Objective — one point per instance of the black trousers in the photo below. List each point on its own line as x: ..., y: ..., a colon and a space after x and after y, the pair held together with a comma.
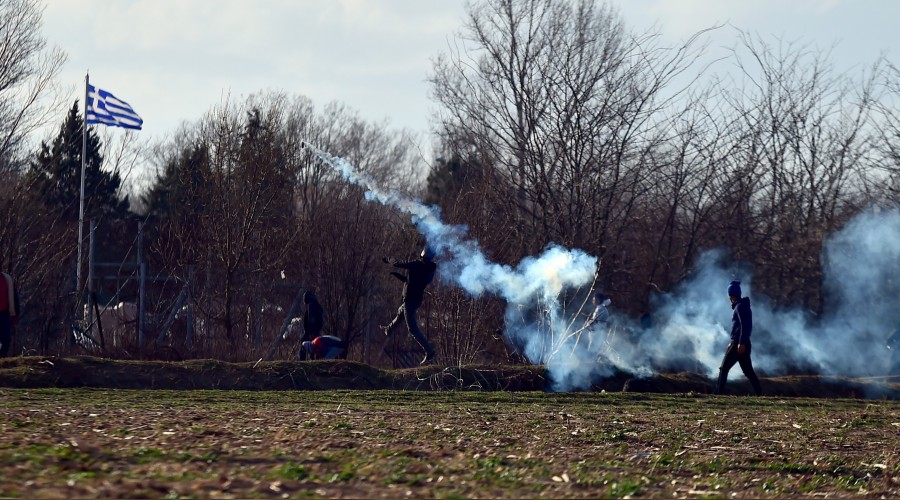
x: 731, y: 357
x: 407, y: 313
x: 5, y: 334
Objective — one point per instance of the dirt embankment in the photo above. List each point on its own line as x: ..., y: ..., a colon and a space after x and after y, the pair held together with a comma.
x: 37, y: 371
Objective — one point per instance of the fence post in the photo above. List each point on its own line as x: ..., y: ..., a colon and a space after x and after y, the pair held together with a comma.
x: 190, y: 309
x: 143, y: 274
x: 90, y: 277
x: 141, y: 308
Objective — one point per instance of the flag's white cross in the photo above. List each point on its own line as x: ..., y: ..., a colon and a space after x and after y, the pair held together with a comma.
x: 107, y: 109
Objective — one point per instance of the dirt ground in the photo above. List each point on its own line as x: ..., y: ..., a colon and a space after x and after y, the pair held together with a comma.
x: 84, y: 371
x: 90, y: 427
x: 101, y: 443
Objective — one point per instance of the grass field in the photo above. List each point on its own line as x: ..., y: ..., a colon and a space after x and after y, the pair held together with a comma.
x: 446, y: 444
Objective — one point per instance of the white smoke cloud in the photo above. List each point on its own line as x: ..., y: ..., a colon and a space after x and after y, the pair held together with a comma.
x: 545, y: 298
x: 861, y: 268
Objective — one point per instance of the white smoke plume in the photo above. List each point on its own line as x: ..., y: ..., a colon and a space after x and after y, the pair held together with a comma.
x: 690, y: 326
x: 861, y: 267
x: 536, y: 324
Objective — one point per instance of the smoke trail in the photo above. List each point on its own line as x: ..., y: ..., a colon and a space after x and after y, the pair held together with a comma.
x: 535, y: 321
x: 691, y: 324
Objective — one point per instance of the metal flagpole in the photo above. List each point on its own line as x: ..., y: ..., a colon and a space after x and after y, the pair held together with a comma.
x: 81, y: 195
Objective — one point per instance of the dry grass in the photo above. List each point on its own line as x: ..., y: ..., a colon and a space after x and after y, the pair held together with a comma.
x: 449, y: 444
x: 435, y: 432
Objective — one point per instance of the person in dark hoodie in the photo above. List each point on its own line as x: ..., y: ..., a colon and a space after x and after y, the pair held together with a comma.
x: 893, y: 345
x: 9, y: 314
x: 739, y: 348
x: 600, y: 315
x: 420, y: 273
x: 313, y: 321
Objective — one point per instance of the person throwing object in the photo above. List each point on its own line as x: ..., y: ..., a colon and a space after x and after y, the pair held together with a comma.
x: 419, y: 275
x: 739, y: 348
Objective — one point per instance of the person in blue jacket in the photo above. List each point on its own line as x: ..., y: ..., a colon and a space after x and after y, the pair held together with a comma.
x: 325, y: 347
x: 739, y: 348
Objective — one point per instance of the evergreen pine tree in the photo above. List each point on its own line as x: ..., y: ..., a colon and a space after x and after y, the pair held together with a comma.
x: 55, y: 175
x: 179, y: 191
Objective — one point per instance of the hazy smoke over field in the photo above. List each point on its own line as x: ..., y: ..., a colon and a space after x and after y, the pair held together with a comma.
x: 547, y: 304
x: 861, y: 264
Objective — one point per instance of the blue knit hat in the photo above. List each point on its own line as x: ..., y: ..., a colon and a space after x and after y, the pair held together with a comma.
x: 734, y: 289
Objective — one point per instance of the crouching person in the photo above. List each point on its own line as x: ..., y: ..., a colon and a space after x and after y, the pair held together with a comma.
x: 325, y: 347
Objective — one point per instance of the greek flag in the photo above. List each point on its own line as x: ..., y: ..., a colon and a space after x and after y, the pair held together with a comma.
x: 107, y: 109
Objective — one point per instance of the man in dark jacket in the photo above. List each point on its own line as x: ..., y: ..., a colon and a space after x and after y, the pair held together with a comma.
x: 419, y: 274
x: 9, y: 314
x: 313, y: 320
x: 739, y: 348
x: 600, y: 315
x: 893, y: 345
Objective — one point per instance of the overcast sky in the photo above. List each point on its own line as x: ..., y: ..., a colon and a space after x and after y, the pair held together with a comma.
x: 173, y: 60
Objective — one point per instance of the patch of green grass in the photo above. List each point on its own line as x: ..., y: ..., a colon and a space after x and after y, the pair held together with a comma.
x: 174, y: 495
x: 293, y: 471
x: 342, y: 426
x: 813, y: 484
x: 180, y: 476
x: 859, y: 422
x: 790, y: 467
x: 715, y: 466
x: 608, y: 435
x: 42, y: 454
x: 488, y: 463
x: 145, y: 455
x: 398, y: 473
x: 849, y: 482
x: 495, y: 470
x: 209, y: 457
x: 625, y: 487
x: 77, y: 476
x: 346, y: 474
x: 769, y: 485
x: 665, y: 460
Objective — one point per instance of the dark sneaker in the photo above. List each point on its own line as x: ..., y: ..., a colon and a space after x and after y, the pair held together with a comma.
x: 429, y: 357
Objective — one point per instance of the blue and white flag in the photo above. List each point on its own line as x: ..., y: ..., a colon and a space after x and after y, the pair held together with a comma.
x: 107, y: 109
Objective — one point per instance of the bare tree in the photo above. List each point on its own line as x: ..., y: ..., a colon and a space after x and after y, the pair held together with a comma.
x: 28, y: 241
x: 799, y: 161
x: 27, y: 78
x: 885, y: 185
x: 261, y: 217
x: 571, y: 111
